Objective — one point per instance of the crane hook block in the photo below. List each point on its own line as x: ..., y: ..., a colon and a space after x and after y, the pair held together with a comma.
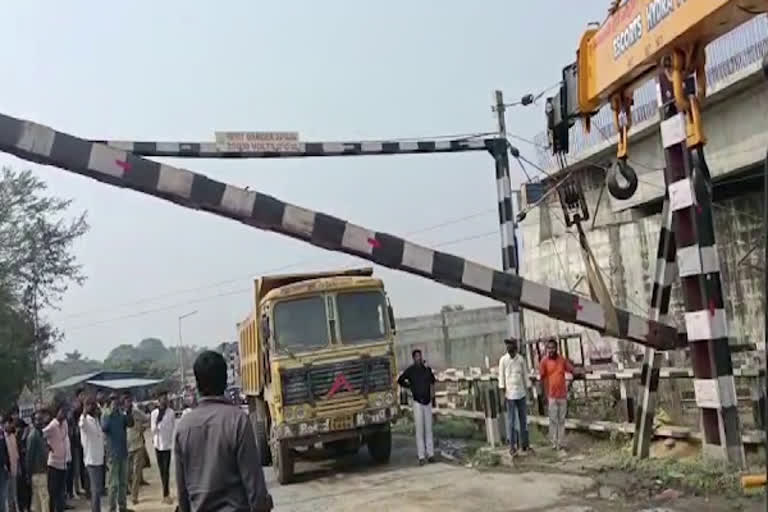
x: 617, y: 190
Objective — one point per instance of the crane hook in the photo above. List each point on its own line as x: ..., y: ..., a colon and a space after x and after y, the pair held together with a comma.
x: 618, y: 191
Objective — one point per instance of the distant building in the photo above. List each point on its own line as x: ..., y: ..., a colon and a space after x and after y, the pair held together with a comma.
x: 231, y: 352
x: 108, y: 381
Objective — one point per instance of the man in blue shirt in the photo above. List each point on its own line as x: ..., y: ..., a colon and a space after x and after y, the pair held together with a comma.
x: 115, y: 423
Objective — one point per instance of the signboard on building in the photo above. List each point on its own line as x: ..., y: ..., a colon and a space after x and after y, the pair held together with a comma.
x: 258, y: 142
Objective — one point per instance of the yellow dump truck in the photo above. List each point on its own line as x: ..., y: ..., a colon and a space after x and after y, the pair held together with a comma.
x: 318, y: 366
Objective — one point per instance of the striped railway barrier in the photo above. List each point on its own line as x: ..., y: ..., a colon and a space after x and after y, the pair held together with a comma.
x: 44, y: 145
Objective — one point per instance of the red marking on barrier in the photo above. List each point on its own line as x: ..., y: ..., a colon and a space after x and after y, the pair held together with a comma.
x: 339, y: 382
x: 579, y: 307
x: 374, y: 243
x: 125, y: 166
x: 711, y: 307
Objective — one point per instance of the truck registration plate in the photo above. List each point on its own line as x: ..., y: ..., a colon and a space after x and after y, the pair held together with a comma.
x: 341, y: 423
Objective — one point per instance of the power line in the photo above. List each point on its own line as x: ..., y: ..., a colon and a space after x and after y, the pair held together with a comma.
x: 240, y: 291
x: 527, y: 141
x: 469, y: 135
x: 215, y: 284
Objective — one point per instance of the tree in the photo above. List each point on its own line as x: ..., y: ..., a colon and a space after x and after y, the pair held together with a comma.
x: 73, y: 356
x: 122, y: 357
x: 37, y: 262
x: 154, y: 350
x: 16, y: 342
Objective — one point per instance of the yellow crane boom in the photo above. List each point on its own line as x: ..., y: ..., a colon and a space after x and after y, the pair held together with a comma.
x: 636, y: 39
x: 639, y: 34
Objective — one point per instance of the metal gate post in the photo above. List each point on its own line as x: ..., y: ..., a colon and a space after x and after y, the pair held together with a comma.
x: 689, y: 186
x: 509, y: 250
x: 666, y: 271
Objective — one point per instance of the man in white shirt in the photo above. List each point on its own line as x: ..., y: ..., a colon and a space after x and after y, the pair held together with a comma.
x: 162, y: 424
x: 92, y: 439
x: 513, y: 379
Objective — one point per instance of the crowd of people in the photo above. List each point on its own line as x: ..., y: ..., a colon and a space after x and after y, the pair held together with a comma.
x: 95, y: 446
x: 86, y: 448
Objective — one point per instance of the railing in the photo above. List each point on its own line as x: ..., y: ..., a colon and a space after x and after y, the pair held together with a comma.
x: 726, y: 56
x: 476, y: 397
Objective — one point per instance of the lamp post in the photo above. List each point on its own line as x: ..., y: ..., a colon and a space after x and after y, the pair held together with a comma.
x: 181, y: 349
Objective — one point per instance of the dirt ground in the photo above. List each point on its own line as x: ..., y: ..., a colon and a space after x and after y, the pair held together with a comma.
x: 622, y: 484
x: 471, y: 480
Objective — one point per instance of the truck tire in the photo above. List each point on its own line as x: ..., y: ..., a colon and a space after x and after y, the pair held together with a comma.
x: 380, y: 445
x: 283, y: 462
x: 259, y: 422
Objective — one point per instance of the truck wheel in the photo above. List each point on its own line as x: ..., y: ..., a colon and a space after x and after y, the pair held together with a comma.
x: 259, y: 421
x: 380, y: 445
x: 283, y: 463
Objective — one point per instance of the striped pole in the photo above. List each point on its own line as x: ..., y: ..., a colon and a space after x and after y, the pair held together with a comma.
x: 689, y: 187
x: 666, y: 271
x: 509, y: 252
x: 491, y: 410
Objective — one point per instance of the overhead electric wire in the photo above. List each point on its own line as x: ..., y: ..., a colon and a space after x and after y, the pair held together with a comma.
x: 527, y: 141
x: 215, y: 284
x: 458, y: 136
x: 239, y: 291
x: 525, y: 171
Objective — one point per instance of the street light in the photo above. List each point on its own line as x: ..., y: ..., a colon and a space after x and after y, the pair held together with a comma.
x: 181, y: 349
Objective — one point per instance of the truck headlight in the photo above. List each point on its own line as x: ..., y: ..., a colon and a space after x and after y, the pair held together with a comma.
x: 377, y: 402
x: 300, y: 413
x: 388, y: 397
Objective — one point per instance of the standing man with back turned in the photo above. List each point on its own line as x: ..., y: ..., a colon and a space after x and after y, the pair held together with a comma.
x: 421, y: 381
x: 215, y: 449
x: 513, y: 379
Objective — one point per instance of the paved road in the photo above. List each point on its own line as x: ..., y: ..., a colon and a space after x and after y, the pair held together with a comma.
x: 353, y: 484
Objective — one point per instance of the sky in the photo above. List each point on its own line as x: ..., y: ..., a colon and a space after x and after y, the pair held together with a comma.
x: 330, y: 70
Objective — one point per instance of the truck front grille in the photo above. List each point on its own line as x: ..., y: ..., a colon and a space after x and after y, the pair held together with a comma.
x: 314, y: 383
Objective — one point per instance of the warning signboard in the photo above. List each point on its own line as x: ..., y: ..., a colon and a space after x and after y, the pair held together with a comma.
x: 257, y: 142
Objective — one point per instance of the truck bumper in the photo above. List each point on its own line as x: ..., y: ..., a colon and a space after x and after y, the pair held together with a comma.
x: 317, y: 427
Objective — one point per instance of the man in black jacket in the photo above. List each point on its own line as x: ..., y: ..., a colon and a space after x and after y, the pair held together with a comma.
x: 421, y: 381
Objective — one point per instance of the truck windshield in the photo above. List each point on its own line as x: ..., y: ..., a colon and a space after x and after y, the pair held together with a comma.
x: 362, y: 316
x: 301, y: 324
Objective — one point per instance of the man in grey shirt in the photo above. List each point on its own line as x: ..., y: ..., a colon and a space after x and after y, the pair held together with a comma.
x: 215, y: 450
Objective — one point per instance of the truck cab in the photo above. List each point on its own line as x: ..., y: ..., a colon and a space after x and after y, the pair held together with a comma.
x: 318, y: 366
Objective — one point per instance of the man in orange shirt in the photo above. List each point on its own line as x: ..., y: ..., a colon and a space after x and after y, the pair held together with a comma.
x: 552, y: 371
